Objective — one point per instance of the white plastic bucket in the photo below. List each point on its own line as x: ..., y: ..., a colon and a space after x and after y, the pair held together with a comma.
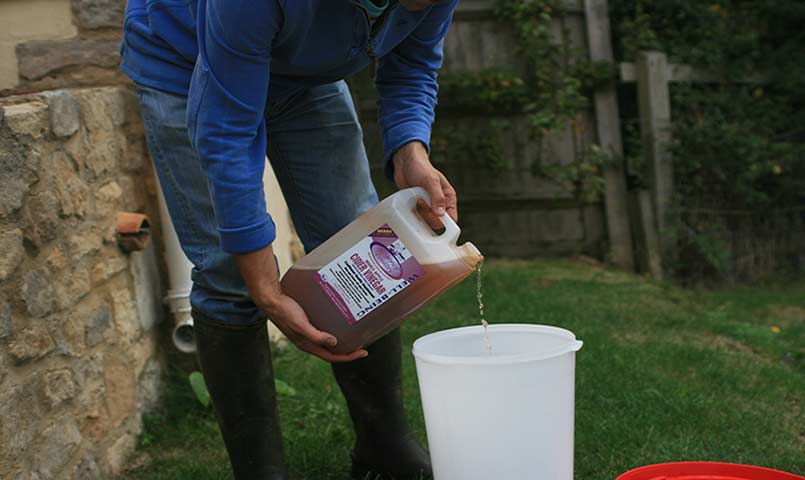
x: 508, y: 415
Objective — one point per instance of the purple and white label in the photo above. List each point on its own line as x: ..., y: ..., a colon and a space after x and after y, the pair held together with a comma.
x: 369, y: 274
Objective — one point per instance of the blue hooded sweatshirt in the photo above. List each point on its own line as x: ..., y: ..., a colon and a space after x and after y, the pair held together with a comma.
x: 253, y: 51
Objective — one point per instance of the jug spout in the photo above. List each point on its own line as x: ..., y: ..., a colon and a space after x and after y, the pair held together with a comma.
x: 471, y: 255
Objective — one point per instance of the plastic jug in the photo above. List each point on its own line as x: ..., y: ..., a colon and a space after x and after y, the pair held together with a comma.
x: 506, y: 415
x: 362, y: 282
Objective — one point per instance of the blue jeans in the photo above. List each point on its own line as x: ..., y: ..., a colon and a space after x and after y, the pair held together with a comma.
x: 315, y: 146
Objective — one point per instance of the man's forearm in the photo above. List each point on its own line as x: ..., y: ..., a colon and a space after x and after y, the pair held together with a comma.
x: 260, y: 272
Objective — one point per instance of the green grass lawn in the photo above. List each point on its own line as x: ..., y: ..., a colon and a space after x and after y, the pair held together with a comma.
x: 665, y: 374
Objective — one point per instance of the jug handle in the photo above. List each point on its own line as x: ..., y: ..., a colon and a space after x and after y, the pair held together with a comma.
x: 451, y: 228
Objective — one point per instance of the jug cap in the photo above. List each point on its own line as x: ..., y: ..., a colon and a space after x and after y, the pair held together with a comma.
x: 470, y: 254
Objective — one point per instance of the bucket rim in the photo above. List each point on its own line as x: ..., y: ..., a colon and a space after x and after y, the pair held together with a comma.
x: 714, y: 470
x: 572, y: 345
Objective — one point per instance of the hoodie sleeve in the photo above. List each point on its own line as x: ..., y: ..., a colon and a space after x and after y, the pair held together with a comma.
x: 406, y: 82
x: 226, y: 114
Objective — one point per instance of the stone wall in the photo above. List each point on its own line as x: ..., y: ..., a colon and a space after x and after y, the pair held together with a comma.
x: 46, y: 44
x: 78, y: 357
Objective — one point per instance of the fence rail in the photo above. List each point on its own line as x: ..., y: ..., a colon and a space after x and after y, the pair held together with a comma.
x: 682, y: 72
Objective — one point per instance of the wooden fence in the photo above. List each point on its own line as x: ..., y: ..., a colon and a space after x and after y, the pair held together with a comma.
x: 757, y: 244
x: 512, y: 212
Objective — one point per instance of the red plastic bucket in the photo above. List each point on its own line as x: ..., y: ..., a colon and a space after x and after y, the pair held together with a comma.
x: 705, y: 471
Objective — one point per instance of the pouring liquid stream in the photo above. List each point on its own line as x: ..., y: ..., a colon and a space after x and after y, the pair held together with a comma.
x: 480, y: 295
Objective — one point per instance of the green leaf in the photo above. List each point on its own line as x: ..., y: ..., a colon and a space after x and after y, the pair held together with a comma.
x: 283, y: 388
x: 199, y: 388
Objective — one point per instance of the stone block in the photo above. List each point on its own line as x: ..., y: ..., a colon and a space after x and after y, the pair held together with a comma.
x: 111, y: 261
x: 107, y: 199
x: 40, y: 217
x: 71, y: 191
x: 84, y: 326
x: 121, y: 390
x: 92, y: 14
x: 58, y: 443
x: 108, y: 226
x: 118, y: 452
x: 17, y: 171
x: 89, y: 370
x: 99, y: 325
x: 65, y: 113
x: 69, y: 334
x: 84, y: 242
x: 6, y: 324
x: 27, y: 119
x: 102, y: 108
x: 29, y: 475
x: 37, y: 292
x: 58, y: 387
x: 78, y: 148
x: 29, y: 344
x: 94, y: 419
x: 74, y: 325
x: 12, y: 190
x: 19, y: 418
x: 3, y: 371
x: 55, y: 259
x: 86, y: 469
x: 102, y: 157
x: 63, y: 346
x: 71, y: 286
x: 125, y: 312
x: 11, y: 251
x: 133, y: 194
x: 39, y: 58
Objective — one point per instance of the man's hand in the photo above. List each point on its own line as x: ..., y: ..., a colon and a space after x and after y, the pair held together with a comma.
x: 259, y: 270
x: 412, y: 168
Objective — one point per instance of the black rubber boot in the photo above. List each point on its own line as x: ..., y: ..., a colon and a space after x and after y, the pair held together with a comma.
x: 385, y: 446
x: 236, y: 363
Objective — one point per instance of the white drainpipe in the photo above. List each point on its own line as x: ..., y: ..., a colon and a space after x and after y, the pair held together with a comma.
x: 179, y: 266
x: 178, y: 297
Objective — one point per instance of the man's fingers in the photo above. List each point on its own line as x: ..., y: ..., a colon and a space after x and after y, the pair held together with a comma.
x: 306, y: 345
x: 437, y: 199
x: 451, y: 198
x: 427, y: 213
x: 291, y: 319
x: 329, y: 356
x: 315, y: 336
x: 350, y: 357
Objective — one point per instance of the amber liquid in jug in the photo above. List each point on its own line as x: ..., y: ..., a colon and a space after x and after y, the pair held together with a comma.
x: 388, y: 263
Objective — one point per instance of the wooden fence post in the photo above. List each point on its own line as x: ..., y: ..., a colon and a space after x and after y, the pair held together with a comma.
x: 647, y: 242
x: 653, y: 76
x: 607, y: 122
